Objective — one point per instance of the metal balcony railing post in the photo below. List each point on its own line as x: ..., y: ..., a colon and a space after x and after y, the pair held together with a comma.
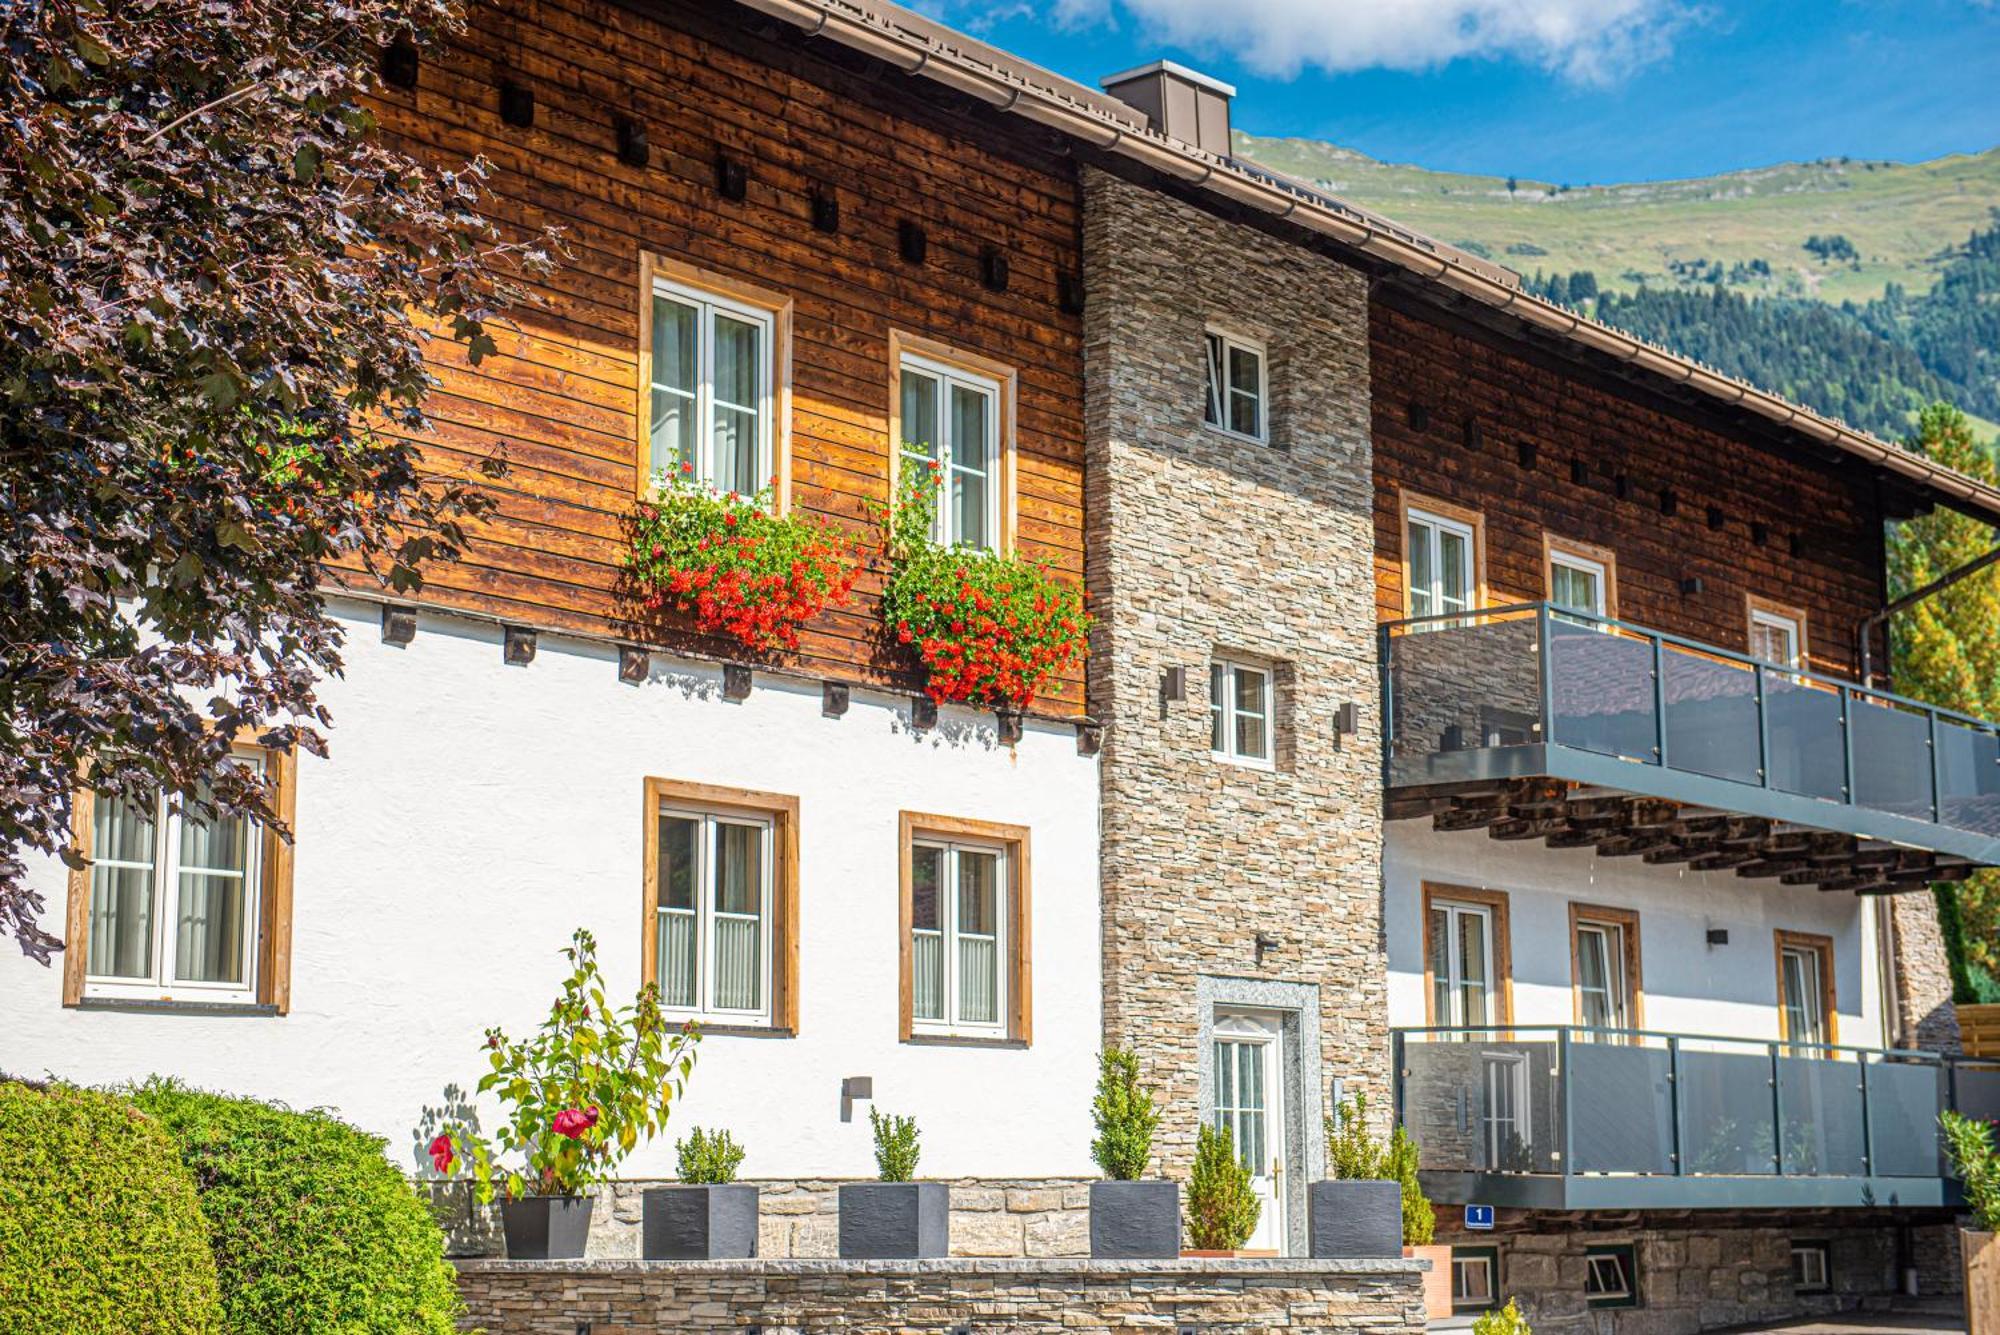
x: 1763, y: 729
x: 1545, y: 637
x: 1674, y: 1093
x: 1867, y: 1121
x: 1846, y: 749
x: 1388, y: 717
x: 1396, y: 1041
x: 1659, y: 702
x: 1777, y: 1115
x: 1937, y: 775
x: 1568, y: 1102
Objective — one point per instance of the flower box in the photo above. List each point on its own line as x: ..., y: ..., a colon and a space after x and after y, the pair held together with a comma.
x: 1353, y: 1219
x: 1135, y: 1221
x: 716, y: 1222
x: 546, y: 1228
x: 885, y: 1221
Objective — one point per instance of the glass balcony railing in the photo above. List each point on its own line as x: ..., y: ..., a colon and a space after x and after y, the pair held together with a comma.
x: 1534, y: 690
x: 1630, y: 1118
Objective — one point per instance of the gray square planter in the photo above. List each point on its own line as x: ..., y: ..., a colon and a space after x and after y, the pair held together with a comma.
x: 1354, y: 1220
x: 884, y: 1221
x: 700, y: 1223
x: 546, y: 1228
x: 1135, y: 1221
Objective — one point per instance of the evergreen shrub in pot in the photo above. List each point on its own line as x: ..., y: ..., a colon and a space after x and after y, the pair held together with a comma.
x: 1222, y: 1205
x: 1358, y: 1212
x: 1969, y: 1142
x: 710, y: 1216
x: 581, y: 1093
x: 1130, y: 1218
x: 894, y: 1218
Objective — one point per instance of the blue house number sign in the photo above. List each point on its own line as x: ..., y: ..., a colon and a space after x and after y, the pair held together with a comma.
x: 1479, y: 1216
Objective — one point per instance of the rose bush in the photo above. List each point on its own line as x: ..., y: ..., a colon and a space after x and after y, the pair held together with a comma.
x: 734, y: 565
x: 992, y: 629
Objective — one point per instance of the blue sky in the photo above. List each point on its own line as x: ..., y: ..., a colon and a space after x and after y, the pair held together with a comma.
x: 1561, y: 90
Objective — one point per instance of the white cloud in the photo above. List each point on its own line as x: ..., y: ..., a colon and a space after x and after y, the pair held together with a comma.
x: 1586, y: 41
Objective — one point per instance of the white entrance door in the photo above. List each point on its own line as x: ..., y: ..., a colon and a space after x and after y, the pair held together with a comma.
x: 1250, y: 1105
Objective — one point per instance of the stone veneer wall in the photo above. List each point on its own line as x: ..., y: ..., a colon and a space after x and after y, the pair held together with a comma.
x: 1071, y: 1297
x: 1199, y: 542
x: 1046, y: 1217
x: 1923, y: 977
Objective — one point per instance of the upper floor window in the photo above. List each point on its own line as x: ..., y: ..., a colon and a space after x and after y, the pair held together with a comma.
x: 1805, y: 988
x: 178, y: 904
x: 1236, y: 387
x: 1604, y: 954
x: 1466, y: 956
x: 965, y: 929
x: 1439, y: 563
x: 1239, y: 708
x: 951, y: 421
x: 1581, y: 578
x: 720, y: 890
x: 1777, y: 634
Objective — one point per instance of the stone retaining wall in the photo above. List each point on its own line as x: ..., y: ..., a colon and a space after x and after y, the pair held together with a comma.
x: 1072, y: 1297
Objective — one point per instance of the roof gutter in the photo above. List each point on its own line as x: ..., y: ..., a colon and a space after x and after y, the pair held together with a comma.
x: 1081, y: 115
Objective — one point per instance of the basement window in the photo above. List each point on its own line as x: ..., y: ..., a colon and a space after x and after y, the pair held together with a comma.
x: 1475, y: 1275
x: 1612, y: 1276
x: 1236, y: 387
x: 1811, y: 1272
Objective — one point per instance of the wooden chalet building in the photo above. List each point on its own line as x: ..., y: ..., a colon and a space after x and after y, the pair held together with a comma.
x: 1472, y: 716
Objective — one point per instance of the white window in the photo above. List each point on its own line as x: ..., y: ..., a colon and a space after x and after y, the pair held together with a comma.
x: 1577, y: 584
x: 958, y: 938
x: 174, y: 901
x: 1608, y: 1279
x: 1810, y: 1272
x: 715, y: 915
x: 951, y: 422
x: 1472, y: 1278
x: 1774, y: 638
x: 1236, y: 390
x: 1603, y: 993
x: 1460, y: 938
x: 1239, y: 708
x: 1440, y: 555
x: 712, y: 397
x: 1802, y: 993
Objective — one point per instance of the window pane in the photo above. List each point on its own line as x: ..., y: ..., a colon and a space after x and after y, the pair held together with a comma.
x: 737, y: 984
x: 737, y: 953
x: 675, y: 967
x: 739, y: 868
x: 978, y: 892
x: 1455, y: 580
x: 1243, y: 365
x: 674, y: 361
x: 920, y: 414
x: 676, y: 962
x: 1437, y: 950
x: 121, y: 921
x: 1211, y: 412
x: 1251, y: 688
x: 735, y: 447
x: 968, y: 509
x: 926, y: 871
x: 1252, y: 737
x: 208, y: 939
x: 213, y: 845
x: 927, y: 975
x: 1422, y: 576
x: 1218, y: 685
x: 677, y: 847
x: 123, y: 832
x: 971, y: 427
x: 1472, y: 964
x: 978, y: 980
x: 738, y: 362
x: 1246, y: 413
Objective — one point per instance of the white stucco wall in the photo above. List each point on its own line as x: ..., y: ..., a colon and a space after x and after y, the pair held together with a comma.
x: 1690, y: 986
x: 472, y: 814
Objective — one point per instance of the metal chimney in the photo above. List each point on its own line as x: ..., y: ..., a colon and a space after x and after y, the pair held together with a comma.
x: 1179, y: 102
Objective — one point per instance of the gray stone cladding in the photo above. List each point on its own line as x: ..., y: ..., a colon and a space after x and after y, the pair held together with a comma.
x: 1923, y: 977
x: 1200, y: 542
x: 1071, y: 1297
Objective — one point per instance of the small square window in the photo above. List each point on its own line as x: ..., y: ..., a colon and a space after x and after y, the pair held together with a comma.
x: 1240, y: 713
x: 1611, y: 1277
x: 1811, y: 1271
x: 1236, y: 399
x: 1475, y: 1278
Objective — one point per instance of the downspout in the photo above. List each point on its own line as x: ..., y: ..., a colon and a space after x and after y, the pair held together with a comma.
x: 1892, y: 977
x: 1865, y: 632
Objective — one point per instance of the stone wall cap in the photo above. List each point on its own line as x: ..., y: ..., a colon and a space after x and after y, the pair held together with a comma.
x: 1221, y: 1267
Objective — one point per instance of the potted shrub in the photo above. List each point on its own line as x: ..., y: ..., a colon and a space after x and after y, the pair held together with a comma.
x: 710, y: 1216
x: 1358, y: 1211
x: 895, y: 1217
x: 1970, y: 1144
x: 989, y: 629
x: 1130, y: 1219
x: 581, y: 1093
x: 1222, y: 1206
x: 1419, y: 1224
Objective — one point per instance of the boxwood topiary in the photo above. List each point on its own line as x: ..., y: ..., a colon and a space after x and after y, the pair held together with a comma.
x: 99, y: 1227
x: 314, y: 1229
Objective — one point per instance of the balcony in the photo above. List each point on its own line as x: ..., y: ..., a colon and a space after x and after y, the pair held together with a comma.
x: 1561, y: 1118
x: 1533, y: 722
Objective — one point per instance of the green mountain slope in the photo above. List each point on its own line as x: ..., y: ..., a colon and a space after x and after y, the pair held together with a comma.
x: 1900, y: 219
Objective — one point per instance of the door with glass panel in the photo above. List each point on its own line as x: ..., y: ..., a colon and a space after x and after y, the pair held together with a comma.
x: 958, y: 937
x: 175, y: 896
x: 1459, y: 942
x: 1603, y: 992
x: 710, y: 410
x: 1802, y: 993
x: 1440, y: 564
x: 715, y: 914
x: 951, y: 429
x: 1249, y: 1104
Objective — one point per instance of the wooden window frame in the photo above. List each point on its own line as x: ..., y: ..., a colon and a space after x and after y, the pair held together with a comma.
x: 1408, y: 501
x: 1495, y: 902
x: 903, y: 343
x: 1755, y: 606
x: 1781, y: 940
x: 655, y: 269
x: 1554, y: 548
x: 782, y: 811
x: 1019, y: 963
x: 271, y: 956
x: 1627, y: 921
x: 1258, y: 348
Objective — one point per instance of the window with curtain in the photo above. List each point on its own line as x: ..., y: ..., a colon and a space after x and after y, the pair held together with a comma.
x: 1459, y: 946
x: 175, y: 898
x: 951, y: 422
x: 1775, y: 638
x: 1438, y: 557
x: 1239, y: 708
x: 1577, y: 584
x: 1802, y: 993
x: 1604, y: 994
x: 1235, y: 386
x: 958, y: 946
x: 712, y: 396
x: 714, y: 929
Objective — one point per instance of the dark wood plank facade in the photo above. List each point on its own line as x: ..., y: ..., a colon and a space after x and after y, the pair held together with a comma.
x: 1539, y: 448
x: 560, y: 402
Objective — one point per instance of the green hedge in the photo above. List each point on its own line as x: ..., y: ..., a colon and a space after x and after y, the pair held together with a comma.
x: 314, y: 1230
x: 99, y: 1226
